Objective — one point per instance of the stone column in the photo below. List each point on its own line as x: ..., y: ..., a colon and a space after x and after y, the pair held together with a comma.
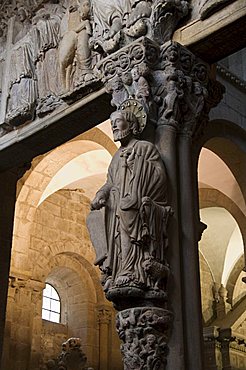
x: 210, y: 336
x: 166, y: 137
x: 225, y: 337
x: 36, y: 288
x: 104, y: 320
x: 161, y: 94
x: 8, y: 182
x: 190, y: 257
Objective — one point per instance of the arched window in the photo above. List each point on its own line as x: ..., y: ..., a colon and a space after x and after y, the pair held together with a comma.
x: 51, y: 308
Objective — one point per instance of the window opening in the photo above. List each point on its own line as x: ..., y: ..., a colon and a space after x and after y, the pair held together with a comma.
x: 51, y: 308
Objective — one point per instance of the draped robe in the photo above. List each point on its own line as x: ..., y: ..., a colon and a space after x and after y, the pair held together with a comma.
x: 134, y: 213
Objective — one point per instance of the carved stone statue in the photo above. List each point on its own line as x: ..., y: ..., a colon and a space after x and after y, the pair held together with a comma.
x: 46, y: 33
x: 74, y: 46
x: 22, y: 24
x: 72, y: 357
x: 140, y: 85
x: 109, y: 17
x: 22, y: 77
x: 134, y: 209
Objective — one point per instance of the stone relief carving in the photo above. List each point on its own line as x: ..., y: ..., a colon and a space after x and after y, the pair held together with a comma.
x: 144, y: 332
x: 116, y: 23
x: 44, y: 36
x: 46, y: 32
x: 74, y: 47
x: 165, y: 16
x: 131, y: 207
x: 22, y: 94
x: 168, y: 81
x: 71, y: 357
x: 126, y: 73
x: 209, y: 7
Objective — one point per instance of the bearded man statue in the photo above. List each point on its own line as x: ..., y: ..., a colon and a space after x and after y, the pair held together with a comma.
x: 131, y: 209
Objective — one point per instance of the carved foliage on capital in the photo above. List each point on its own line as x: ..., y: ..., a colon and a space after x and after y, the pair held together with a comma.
x: 165, y: 16
x: 144, y: 332
x: 118, y: 22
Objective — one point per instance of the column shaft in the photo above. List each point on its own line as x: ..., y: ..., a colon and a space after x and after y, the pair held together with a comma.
x: 7, y: 201
x: 166, y: 144
x: 190, y: 258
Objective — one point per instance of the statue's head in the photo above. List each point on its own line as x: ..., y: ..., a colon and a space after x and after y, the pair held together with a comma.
x: 22, y: 14
x: 135, y: 73
x: 85, y: 9
x: 124, y: 124
x: 150, y: 339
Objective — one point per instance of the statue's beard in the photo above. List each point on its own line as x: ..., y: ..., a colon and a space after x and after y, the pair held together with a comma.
x: 121, y: 134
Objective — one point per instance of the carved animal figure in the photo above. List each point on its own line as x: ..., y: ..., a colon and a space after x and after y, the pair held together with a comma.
x: 158, y: 272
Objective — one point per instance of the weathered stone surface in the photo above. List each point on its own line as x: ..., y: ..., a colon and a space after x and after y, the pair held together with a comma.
x: 145, y: 332
x: 134, y: 216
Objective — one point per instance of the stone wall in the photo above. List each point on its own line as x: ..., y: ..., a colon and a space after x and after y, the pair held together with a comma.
x: 60, y: 253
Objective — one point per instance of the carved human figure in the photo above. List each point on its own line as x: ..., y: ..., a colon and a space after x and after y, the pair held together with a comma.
x: 46, y: 33
x: 74, y: 46
x: 22, y: 80
x: 109, y: 16
x: 134, y: 199
x: 119, y: 92
x: 149, y: 352
x: 22, y: 25
x: 127, y: 81
x: 140, y: 86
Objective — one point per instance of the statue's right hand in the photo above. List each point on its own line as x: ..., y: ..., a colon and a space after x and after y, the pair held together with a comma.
x: 98, y: 202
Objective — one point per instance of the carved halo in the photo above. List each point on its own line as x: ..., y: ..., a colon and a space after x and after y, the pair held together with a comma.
x: 133, y: 106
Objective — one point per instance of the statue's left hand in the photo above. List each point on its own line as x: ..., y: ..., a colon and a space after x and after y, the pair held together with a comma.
x: 98, y: 202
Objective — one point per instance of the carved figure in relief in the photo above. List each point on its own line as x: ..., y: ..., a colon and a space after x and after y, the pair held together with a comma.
x: 127, y: 81
x: 136, y: 24
x: 23, y: 82
x: 134, y: 199
x: 118, y: 90
x: 140, y: 86
x: 46, y: 33
x: 209, y: 7
x: 109, y: 16
x: 74, y: 46
x: 2, y: 36
x: 22, y: 24
x: 144, y: 334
